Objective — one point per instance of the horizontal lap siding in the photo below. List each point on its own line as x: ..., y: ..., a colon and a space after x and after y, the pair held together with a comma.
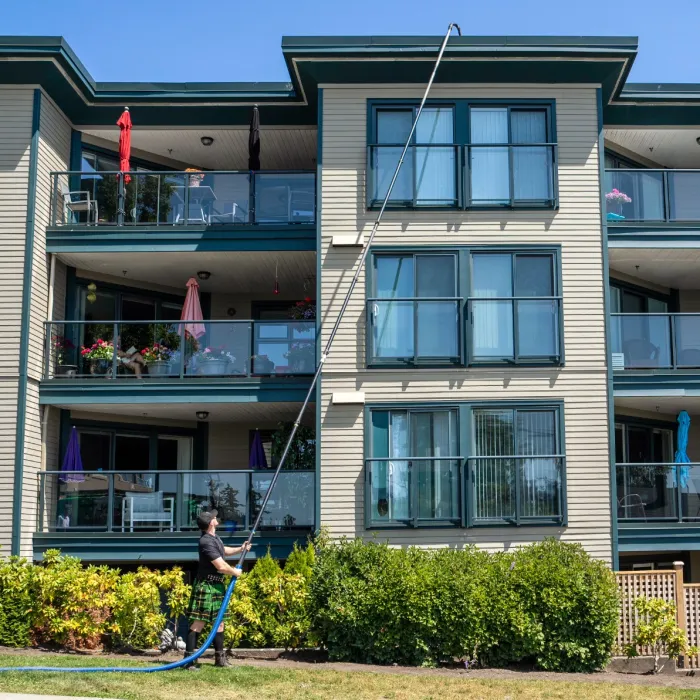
x: 16, y: 105
x: 581, y: 384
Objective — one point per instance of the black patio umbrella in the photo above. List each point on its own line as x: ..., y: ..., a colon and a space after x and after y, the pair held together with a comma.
x: 254, y: 141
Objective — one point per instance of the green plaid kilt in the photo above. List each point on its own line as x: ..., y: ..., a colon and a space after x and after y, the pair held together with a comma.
x: 205, y: 601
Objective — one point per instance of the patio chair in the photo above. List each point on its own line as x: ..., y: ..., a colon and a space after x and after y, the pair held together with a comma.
x: 225, y: 217
x: 641, y: 352
x: 629, y: 502
x: 147, y: 508
x: 77, y: 202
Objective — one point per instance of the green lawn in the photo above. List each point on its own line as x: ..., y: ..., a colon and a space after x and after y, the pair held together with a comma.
x: 251, y: 683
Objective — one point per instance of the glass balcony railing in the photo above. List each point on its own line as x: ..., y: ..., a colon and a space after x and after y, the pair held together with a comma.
x: 652, y: 196
x: 170, y: 198
x: 655, y: 341
x: 518, y: 489
x: 164, y: 349
x: 461, y: 177
x: 170, y: 501
x: 414, y: 330
x: 661, y: 491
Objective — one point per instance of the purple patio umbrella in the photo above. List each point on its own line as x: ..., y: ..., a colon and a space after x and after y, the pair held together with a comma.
x: 257, y: 453
x: 72, y: 462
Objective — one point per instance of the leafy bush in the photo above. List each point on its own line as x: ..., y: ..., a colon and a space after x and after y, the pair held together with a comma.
x: 574, y: 598
x: 73, y: 604
x: 138, y: 616
x: 548, y: 603
x: 15, y: 602
x: 269, y: 607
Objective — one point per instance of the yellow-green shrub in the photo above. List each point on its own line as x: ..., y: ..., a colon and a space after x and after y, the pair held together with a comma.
x: 15, y: 602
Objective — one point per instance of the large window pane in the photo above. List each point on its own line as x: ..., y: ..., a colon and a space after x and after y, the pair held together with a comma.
x: 538, y: 328
x: 435, y: 167
x: 532, y: 165
x: 490, y: 179
x: 534, y: 276
x: 393, y: 127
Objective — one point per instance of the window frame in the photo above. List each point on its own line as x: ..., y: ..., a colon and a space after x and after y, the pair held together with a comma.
x: 466, y: 442
x: 464, y: 279
x: 462, y: 142
x: 557, y: 407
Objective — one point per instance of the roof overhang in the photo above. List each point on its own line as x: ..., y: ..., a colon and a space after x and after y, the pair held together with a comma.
x: 655, y: 104
x: 50, y: 62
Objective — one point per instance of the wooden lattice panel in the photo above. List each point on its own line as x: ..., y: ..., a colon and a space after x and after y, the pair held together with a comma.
x: 647, y: 584
x: 692, y: 619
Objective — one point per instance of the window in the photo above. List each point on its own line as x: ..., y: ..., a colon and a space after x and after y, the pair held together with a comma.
x: 517, y: 468
x: 514, y: 308
x: 413, y: 474
x: 428, y: 176
x: 414, y: 310
x: 463, y: 155
x: 509, y: 160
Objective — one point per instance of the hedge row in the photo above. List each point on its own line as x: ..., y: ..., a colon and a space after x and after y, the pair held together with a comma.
x: 548, y: 604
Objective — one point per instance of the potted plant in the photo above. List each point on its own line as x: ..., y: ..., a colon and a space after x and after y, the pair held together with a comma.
x: 212, y: 361
x: 302, y: 357
x: 196, y: 178
x: 99, y: 356
x: 262, y: 364
x: 617, y: 199
x: 304, y: 310
x: 62, y: 353
x: 158, y: 359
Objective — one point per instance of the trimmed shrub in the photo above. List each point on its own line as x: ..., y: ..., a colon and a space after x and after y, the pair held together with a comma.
x: 270, y: 605
x: 550, y: 604
x: 575, y: 600
x: 16, y: 602
x: 138, y: 617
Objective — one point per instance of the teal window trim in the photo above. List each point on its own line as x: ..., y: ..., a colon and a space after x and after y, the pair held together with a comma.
x: 561, y: 520
x: 670, y: 299
x: 461, y: 128
x: 466, y: 442
x: 623, y: 161
x: 463, y: 294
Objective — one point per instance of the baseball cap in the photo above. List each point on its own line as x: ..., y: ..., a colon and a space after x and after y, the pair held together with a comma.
x: 205, y: 517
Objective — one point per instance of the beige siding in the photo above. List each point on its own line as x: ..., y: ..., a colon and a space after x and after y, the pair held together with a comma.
x: 581, y: 384
x: 16, y: 105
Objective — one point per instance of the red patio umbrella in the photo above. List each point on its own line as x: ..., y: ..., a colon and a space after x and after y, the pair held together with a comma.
x: 124, y: 124
x: 192, y: 311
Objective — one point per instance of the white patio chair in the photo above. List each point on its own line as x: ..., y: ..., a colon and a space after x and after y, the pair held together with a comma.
x: 225, y: 217
x: 147, y: 508
x: 630, y: 502
x: 77, y: 202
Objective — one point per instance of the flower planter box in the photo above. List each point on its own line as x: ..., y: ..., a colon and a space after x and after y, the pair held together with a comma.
x: 159, y: 369
x: 212, y: 368
x: 66, y: 371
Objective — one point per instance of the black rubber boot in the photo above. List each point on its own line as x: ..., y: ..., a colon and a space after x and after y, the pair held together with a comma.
x: 190, y: 648
x: 221, y: 659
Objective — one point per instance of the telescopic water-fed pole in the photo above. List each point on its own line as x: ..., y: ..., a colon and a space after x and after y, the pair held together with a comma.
x: 324, y: 356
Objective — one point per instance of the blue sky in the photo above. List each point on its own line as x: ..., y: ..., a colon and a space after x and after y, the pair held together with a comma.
x: 235, y: 40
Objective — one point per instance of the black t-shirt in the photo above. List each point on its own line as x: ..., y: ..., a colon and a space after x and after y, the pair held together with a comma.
x: 210, y: 547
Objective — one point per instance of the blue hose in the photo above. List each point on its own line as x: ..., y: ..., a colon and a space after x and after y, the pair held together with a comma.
x: 151, y: 669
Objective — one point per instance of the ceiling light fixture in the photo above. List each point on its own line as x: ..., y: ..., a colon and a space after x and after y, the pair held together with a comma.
x: 207, y: 140
x: 204, y: 275
x: 202, y: 415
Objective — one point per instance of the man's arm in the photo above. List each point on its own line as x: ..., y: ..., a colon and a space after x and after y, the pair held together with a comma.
x: 231, y: 551
x: 223, y: 568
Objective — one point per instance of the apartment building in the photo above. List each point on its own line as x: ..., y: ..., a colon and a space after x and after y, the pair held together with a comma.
x: 512, y: 366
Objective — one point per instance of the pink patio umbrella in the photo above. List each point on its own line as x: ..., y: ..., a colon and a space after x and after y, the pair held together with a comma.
x: 192, y: 311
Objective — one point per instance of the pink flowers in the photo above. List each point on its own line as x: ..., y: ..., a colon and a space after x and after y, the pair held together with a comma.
x: 618, y: 197
x: 100, y: 350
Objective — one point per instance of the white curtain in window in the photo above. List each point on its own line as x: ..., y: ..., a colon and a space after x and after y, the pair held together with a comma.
x: 435, y: 167
x: 492, y: 320
x: 398, y: 467
x: 490, y: 182
x: 393, y: 320
x: 531, y: 164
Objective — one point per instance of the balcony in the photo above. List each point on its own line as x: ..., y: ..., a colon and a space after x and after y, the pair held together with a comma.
x: 152, y: 514
x: 431, y: 331
x: 451, y: 176
x: 649, y: 201
x: 161, y: 208
x: 159, y: 360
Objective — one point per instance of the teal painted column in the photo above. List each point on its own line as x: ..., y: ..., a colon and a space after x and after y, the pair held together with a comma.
x: 319, y: 243
x: 24, y: 329
x: 608, y: 352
